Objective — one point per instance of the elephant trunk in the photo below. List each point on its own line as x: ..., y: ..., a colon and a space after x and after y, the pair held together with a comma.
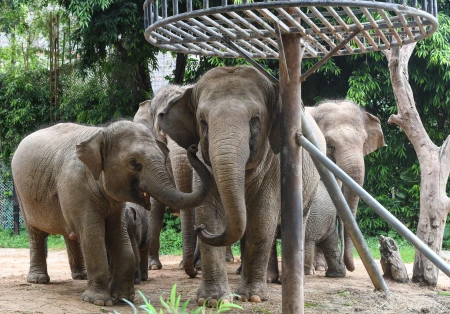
x: 182, y: 174
x: 162, y: 189
x: 229, y: 152
x: 353, y: 165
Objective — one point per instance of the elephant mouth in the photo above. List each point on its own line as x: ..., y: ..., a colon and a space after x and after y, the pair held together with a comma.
x: 142, y: 198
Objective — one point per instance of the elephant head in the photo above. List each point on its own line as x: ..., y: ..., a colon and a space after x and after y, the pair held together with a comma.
x: 350, y: 134
x: 134, y: 169
x: 232, y: 113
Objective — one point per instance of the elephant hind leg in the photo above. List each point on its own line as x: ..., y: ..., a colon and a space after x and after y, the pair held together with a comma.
x: 143, y: 262
x: 156, y: 218
x: 38, y: 263
x: 332, y: 254
x: 273, y: 273
x: 76, y: 259
x: 310, y: 247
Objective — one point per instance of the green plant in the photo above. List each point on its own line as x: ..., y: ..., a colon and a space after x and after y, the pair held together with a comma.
x: 173, y: 305
x: 9, y: 240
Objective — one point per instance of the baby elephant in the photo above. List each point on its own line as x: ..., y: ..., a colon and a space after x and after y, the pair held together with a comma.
x: 321, y: 231
x: 136, y: 219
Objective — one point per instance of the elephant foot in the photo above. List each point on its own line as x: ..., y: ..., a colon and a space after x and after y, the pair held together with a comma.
x: 144, y: 274
x: 137, y: 281
x: 211, y: 295
x: 79, y: 275
x: 321, y: 268
x: 256, y: 292
x: 154, y: 263
x: 198, y: 265
x: 336, y: 273
x: 121, y: 290
x: 97, y: 298
x: 229, y: 258
x: 35, y: 277
x: 181, y: 265
x: 309, y: 270
x: 239, y: 270
x: 273, y: 276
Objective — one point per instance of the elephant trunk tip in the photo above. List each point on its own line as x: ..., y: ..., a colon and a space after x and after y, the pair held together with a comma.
x: 214, y: 239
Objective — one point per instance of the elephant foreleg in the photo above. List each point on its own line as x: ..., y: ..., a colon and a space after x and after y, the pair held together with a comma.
x: 120, y: 249
x: 76, y: 259
x: 38, y: 264
x: 229, y: 255
x: 320, y: 264
x: 156, y: 218
x: 273, y: 273
x: 310, y: 247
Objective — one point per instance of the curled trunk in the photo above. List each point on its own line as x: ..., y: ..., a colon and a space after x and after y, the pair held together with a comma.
x: 229, y: 154
x: 164, y: 191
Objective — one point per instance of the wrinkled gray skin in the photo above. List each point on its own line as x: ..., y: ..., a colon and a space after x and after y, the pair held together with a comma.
x: 233, y: 113
x: 321, y: 231
x: 74, y: 180
x: 136, y: 219
x: 181, y: 170
x: 350, y: 134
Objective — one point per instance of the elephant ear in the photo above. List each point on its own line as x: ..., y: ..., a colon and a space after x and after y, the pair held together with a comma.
x: 375, y: 138
x: 162, y: 146
x: 178, y: 121
x: 90, y: 153
x: 275, y: 107
x: 143, y: 116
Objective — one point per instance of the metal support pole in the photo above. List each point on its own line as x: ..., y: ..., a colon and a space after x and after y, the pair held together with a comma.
x: 291, y: 178
x: 376, y: 206
x: 346, y: 215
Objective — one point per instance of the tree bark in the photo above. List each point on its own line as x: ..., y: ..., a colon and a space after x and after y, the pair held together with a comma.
x: 391, y: 261
x: 434, y: 165
x: 180, y: 68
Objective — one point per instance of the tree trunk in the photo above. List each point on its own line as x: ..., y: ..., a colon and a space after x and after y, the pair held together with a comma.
x: 180, y: 67
x: 434, y: 165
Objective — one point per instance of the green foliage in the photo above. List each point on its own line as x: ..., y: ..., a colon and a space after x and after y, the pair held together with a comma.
x: 9, y: 240
x: 171, y: 241
x: 173, y: 305
x: 407, y: 251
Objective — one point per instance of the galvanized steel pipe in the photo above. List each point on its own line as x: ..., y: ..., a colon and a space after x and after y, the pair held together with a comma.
x: 376, y: 206
x: 346, y: 215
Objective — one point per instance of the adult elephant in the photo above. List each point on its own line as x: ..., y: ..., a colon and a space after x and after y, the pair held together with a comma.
x: 350, y: 133
x: 182, y: 175
x: 74, y: 180
x: 233, y: 113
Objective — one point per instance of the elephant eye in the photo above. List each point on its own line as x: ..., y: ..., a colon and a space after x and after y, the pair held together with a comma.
x: 134, y: 165
x: 204, y: 125
x: 254, y: 122
x: 330, y: 149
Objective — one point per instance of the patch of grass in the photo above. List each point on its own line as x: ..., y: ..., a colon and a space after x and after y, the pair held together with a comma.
x: 407, y: 251
x: 9, y: 240
x: 171, y: 242
x: 444, y: 293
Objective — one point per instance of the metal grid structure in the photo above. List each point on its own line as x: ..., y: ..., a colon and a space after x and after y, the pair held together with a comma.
x: 255, y: 27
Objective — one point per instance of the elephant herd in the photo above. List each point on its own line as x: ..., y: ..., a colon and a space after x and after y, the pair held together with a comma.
x: 93, y: 185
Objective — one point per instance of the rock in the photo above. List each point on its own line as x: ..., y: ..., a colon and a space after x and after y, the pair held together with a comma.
x: 391, y: 262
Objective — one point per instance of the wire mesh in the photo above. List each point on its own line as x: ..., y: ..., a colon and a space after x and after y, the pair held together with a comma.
x: 6, y: 199
x: 254, y: 26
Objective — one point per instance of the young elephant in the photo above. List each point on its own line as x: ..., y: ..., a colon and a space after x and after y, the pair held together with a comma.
x: 136, y: 219
x: 74, y: 180
x: 350, y: 133
x: 321, y: 231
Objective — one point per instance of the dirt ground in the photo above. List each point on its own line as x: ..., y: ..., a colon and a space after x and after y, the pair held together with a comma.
x: 353, y: 294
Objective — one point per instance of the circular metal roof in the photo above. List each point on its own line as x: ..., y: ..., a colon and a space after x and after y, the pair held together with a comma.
x: 254, y: 27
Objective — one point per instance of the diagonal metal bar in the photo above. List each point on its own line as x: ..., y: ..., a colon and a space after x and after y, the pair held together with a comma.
x: 376, y: 206
x: 345, y: 213
x: 329, y: 55
x: 251, y: 60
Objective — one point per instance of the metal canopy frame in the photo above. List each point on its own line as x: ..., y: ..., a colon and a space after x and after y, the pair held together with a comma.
x: 322, y: 26
x: 291, y: 30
